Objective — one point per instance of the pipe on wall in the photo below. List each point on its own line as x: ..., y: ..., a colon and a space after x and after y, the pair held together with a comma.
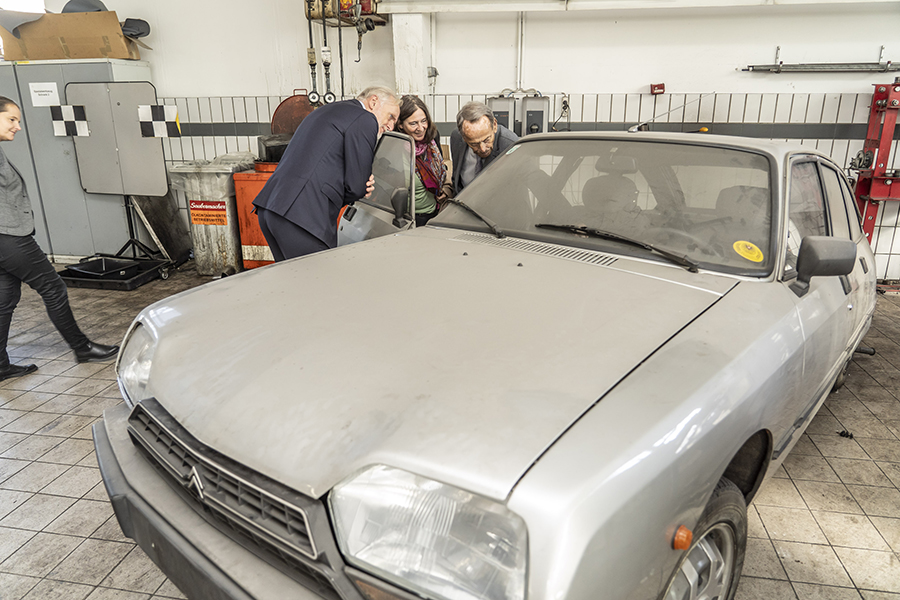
x: 520, y: 54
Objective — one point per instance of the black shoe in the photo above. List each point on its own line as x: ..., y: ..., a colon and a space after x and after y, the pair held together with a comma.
x: 95, y: 352
x: 16, y: 371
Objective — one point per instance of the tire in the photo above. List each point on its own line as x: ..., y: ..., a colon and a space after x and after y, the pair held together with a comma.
x: 711, y: 568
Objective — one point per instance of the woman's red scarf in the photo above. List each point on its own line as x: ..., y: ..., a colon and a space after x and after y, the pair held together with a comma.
x: 430, y: 165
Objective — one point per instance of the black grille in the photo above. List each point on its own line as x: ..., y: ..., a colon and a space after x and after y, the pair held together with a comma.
x: 265, y: 515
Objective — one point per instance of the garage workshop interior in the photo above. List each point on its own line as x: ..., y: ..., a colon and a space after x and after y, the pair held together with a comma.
x: 616, y: 315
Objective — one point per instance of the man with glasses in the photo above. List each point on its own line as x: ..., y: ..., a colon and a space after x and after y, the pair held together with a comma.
x: 477, y: 141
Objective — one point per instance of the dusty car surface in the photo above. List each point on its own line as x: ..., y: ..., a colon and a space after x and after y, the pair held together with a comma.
x: 568, y: 386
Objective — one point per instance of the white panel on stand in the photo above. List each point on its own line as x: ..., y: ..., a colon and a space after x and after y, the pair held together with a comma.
x: 116, y: 158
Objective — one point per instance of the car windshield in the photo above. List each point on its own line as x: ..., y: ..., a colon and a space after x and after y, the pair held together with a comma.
x: 711, y: 205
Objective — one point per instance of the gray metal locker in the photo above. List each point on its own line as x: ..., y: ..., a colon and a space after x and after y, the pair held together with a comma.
x: 78, y: 223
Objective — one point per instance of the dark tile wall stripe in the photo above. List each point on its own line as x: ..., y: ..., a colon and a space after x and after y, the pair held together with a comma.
x: 225, y: 129
x: 787, y: 131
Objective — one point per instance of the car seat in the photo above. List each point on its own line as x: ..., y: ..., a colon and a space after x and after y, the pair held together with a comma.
x: 610, y: 201
x: 746, y: 213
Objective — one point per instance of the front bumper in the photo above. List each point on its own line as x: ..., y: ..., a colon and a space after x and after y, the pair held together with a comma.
x: 201, y: 560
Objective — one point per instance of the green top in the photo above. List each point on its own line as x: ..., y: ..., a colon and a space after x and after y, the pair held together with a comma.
x: 425, y: 202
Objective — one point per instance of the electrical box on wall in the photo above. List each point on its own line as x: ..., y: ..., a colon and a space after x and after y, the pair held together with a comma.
x: 535, y: 111
x: 504, y: 110
x: 522, y: 116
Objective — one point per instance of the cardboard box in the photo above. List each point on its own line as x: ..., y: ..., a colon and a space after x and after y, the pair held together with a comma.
x: 68, y: 36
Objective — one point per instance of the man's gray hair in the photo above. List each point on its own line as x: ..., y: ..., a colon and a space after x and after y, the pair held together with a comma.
x: 472, y: 112
x: 383, y: 94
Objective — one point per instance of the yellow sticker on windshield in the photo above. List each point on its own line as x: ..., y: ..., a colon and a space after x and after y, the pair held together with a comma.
x: 748, y: 250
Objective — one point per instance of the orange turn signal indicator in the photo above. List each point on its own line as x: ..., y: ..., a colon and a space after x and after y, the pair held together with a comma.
x: 683, y: 538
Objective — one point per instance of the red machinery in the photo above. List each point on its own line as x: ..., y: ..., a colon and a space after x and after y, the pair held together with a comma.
x: 875, y: 180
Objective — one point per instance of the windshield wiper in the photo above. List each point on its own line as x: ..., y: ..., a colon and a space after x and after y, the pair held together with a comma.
x: 491, y: 225
x: 680, y: 260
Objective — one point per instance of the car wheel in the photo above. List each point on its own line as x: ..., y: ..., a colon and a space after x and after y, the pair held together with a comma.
x: 711, y: 567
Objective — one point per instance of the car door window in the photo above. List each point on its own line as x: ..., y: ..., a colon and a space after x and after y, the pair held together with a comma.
x: 852, y: 210
x: 806, y: 210
x: 391, y: 168
x: 840, y: 226
x: 375, y: 216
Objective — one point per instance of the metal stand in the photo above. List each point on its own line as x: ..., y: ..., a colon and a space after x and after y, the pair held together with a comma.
x: 134, y: 243
x: 116, y: 271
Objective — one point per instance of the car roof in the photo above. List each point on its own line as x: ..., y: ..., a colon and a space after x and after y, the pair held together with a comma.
x: 776, y: 148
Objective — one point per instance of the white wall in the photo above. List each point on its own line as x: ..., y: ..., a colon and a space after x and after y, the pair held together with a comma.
x: 234, y: 48
x: 690, y: 50
x: 239, y: 48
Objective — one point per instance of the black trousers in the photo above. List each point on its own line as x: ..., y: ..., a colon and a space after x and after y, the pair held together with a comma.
x: 287, y: 240
x: 21, y: 259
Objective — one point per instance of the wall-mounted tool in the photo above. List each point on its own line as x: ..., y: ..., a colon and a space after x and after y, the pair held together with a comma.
x: 340, y: 20
x: 363, y: 25
x: 311, y: 55
x: 359, y: 14
x: 326, y: 58
x: 779, y: 66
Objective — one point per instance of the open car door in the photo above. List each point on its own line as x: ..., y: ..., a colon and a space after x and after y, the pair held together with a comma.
x: 390, y: 208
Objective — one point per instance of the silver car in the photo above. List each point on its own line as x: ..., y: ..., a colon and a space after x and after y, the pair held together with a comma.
x: 567, y: 386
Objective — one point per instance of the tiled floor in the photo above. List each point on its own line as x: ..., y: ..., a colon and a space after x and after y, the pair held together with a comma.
x: 59, y: 539
x: 826, y: 527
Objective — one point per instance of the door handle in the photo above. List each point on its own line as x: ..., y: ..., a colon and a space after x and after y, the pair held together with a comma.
x: 845, y: 283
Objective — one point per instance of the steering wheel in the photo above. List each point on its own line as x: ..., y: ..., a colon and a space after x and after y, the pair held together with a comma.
x: 712, y: 222
x: 682, y: 234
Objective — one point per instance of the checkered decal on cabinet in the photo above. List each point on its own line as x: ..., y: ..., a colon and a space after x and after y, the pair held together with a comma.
x: 69, y: 120
x: 159, y: 121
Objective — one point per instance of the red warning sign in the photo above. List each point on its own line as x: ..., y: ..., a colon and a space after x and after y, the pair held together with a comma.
x: 208, y: 212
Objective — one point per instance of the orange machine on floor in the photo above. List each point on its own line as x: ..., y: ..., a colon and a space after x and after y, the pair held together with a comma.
x: 247, y: 184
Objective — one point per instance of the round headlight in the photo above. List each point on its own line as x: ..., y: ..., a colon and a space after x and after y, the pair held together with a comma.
x: 434, y: 539
x: 135, y: 360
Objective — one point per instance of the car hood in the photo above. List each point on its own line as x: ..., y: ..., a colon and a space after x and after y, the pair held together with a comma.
x: 456, y: 356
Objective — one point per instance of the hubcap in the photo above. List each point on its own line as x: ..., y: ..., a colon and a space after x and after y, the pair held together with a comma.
x: 705, y: 573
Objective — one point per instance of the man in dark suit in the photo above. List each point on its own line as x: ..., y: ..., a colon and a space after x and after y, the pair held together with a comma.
x: 327, y: 165
x: 476, y: 142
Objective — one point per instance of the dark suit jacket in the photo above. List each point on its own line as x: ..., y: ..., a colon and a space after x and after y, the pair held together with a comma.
x: 503, y: 140
x: 325, y: 166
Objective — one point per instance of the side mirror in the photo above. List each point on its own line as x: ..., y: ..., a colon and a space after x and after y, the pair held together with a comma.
x: 400, y: 204
x: 822, y: 256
